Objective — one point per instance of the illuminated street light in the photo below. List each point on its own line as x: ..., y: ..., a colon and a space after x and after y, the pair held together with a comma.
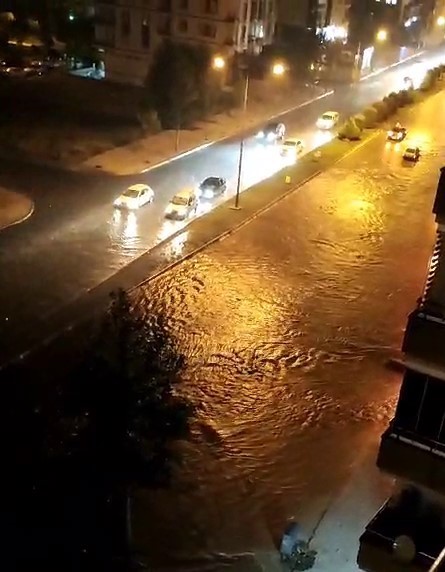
x: 219, y: 63
x: 278, y: 69
x: 441, y: 21
x: 382, y: 36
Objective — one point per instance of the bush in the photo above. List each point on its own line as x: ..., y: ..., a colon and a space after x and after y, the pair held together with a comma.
x: 370, y: 115
x: 391, y: 104
x: 403, y: 97
x: 428, y: 81
x: 382, y: 110
x: 360, y: 121
x: 349, y: 130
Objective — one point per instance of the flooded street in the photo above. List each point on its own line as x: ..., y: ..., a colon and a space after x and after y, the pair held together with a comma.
x: 288, y: 325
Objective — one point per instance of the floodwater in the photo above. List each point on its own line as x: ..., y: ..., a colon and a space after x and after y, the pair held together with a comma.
x: 287, y: 326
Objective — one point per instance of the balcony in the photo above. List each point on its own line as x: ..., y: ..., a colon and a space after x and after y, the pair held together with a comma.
x: 425, y: 338
x: 407, y: 455
x: 413, y: 447
x: 406, y: 516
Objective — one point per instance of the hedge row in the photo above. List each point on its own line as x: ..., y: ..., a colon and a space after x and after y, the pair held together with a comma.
x: 382, y: 110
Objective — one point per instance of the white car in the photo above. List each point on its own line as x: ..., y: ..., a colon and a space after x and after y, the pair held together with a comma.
x: 328, y: 120
x: 182, y: 205
x: 291, y: 148
x: 135, y: 197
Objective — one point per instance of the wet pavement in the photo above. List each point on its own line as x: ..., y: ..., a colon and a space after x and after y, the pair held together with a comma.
x: 75, y: 240
x: 287, y: 326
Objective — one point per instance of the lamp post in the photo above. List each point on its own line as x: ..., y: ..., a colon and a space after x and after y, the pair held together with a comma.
x: 278, y: 69
x: 241, y: 146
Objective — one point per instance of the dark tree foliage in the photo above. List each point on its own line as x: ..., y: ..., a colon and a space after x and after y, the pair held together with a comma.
x: 177, y: 83
x: 128, y: 411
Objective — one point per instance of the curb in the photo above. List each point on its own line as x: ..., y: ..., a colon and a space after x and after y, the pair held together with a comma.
x: 249, y: 219
x: 380, y: 71
x: 22, y: 219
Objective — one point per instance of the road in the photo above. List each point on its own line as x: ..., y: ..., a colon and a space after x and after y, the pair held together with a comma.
x: 76, y: 240
x: 287, y: 325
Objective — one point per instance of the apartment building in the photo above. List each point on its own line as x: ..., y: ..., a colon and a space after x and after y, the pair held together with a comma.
x: 408, y: 532
x: 294, y: 16
x: 129, y: 31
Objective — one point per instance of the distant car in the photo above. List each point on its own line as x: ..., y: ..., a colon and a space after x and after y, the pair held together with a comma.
x: 182, y: 205
x: 272, y: 133
x: 408, y: 83
x: 397, y: 134
x: 328, y: 120
x: 212, y: 187
x: 135, y: 197
x: 291, y: 148
x: 411, y: 154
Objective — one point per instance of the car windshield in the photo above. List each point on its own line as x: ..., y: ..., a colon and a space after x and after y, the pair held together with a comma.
x: 178, y: 200
x: 131, y: 193
x: 397, y: 129
x: 210, y: 182
x: 290, y: 143
x: 327, y: 117
x: 272, y: 127
x: 411, y: 151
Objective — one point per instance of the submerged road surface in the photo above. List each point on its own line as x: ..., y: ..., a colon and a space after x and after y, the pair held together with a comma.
x: 287, y: 325
x: 76, y: 240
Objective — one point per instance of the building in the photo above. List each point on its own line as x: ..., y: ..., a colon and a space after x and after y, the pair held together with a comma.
x: 311, y: 14
x: 367, y: 17
x: 408, y: 532
x: 129, y: 31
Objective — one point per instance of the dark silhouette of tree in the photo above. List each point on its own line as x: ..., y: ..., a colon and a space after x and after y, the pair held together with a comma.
x: 126, y: 413
x: 177, y: 83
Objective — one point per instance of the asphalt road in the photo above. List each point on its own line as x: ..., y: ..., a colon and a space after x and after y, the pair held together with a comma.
x: 76, y: 240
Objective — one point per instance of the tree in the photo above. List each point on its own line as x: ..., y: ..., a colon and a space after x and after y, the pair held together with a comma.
x: 175, y: 83
x: 126, y: 409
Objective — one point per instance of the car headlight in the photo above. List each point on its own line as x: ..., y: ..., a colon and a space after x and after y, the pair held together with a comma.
x: 117, y: 203
x: 260, y: 134
x: 270, y: 136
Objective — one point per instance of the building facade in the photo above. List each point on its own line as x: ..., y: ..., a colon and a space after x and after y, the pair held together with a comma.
x: 408, y: 532
x: 129, y: 31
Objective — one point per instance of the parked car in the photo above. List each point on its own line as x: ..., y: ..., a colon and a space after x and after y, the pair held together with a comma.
x: 328, y: 120
x: 212, y: 187
x: 135, y: 197
x: 272, y: 133
x: 411, y: 154
x: 182, y: 205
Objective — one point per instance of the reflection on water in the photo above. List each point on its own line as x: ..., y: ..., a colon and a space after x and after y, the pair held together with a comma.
x: 124, y: 231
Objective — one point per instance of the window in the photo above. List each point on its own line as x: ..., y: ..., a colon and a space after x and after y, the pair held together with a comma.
x: 164, y: 26
x: 165, y: 5
x: 125, y: 23
x: 183, y: 4
x: 145, y: 33
x: 211, y: 6
x: 207, y: 30
x: 182, y: 26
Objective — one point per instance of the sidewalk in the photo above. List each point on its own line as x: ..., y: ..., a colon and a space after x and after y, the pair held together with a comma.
x: 14, y: 208
x: 146, y: 153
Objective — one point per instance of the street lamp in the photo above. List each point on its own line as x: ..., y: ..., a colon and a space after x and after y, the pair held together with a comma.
x: 381, y: 36
x: 441, y: 21
x: 278, y: 69
x: 218, y: 63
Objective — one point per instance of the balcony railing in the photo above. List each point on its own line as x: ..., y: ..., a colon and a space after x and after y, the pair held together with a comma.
x: 403, y: 518
x: 425, y: 337
x: 412, y: 457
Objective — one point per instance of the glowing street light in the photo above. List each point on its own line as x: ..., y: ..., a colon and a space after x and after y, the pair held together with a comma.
x: 278, y: 69
x: 441, y: 21
x: 382, y: 36
x: 218, y: 63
